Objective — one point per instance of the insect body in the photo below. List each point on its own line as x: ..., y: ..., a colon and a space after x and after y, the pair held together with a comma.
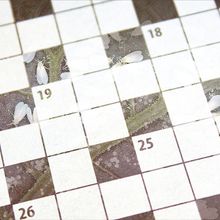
x: 214, y: 102
x: 41, y: 74
x: 132, y: 57
x: 19, y: 113
x: 32, y: 117
x: 28, y: 57
x: 65, y: 75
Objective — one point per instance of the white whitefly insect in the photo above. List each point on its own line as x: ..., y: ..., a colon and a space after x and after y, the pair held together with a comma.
x: 132, y: 57
x: 29, y: 115
x: 106, y: 41
x: 28, y: 57
x: 116, y: 36
x: 42, y: 77
x: 32, y: 117
x: 65, y: 75
x: 20, y: 112
x: 136, y: 32
x: 214, y: 102
x: 35, y: 117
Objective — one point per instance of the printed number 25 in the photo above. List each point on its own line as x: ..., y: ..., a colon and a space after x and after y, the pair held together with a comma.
x: 148, y: 144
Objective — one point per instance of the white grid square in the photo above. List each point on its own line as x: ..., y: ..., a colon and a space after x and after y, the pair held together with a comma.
x: 6, y: 15
x: 71, y: 24
x: 207, y: 61
x: 205, y: 176
x: 124, y: 197
x: 86, y: 56
x: 168, y: 186
x: 62, y: 5
x: 63, y: 134
x: 4, y: 196
x: 164, y: 151
x: 62, y: 100
x: 116, y: 15
x: 104, y: 124
x: 198, y: 139
x: 9, y: 44
x: 175, y: 70
x: 72, y: 170
x: 192, y: 6
x: 95, y: 89
x: 172, y: 38
x: 44, y: 208
x: 82, y: 203
x: 26, y: 140
x: 187, y: 211
x: 186, y: 104
x: 135, y: 80
x: 202, y: 28
x: 13, y: 75
x: 38, y: 33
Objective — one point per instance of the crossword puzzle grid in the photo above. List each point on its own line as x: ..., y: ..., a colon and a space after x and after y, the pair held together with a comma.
x: 105, y: 141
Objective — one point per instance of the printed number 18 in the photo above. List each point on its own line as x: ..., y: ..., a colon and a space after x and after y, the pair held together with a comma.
x: 155, y: 33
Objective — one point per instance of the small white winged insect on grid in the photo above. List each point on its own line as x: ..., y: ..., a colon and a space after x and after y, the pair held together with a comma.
x: 133, y: 57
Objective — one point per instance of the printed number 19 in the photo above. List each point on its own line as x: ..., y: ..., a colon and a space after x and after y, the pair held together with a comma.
x: 45, y: 94
x: 148, y: 144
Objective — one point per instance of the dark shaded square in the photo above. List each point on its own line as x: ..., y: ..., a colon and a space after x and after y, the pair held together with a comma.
x: 52, y: 60
x: 142, y: 216
x: 209, y: 208
x: 146, y: 114
x: 29, y: 180
x: 114, y: 160
x: 119, y: 44
x: 151, y: 11
x: 212, y: 93
x: 27, y: 9
x: 217, y: 2
x: 6, y: 213
x: 8, y: 103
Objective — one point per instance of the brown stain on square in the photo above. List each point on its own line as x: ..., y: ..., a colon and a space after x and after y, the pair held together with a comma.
x: 29, y: 180
x: 209, y: 208
x: 146, y: 114
x: 54, y: 62
x: 6, y: 213
x: 114, y: 160
x: 151, y: 11
x: 211, y: 89
x: 120, y: 44
x: 27, y: 9
x: 142, y: 216
x: 8, y: 104
x: 217, y: 2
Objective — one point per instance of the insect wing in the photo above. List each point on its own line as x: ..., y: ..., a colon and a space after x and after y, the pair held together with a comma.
x: 214, y: 102
x: 35, y: 118
x: 20, y: 112
x: 133, y: 57
x: 28, y: 57
x: 65, y: 75
x: 29, y: 115
x: 42, y: 77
